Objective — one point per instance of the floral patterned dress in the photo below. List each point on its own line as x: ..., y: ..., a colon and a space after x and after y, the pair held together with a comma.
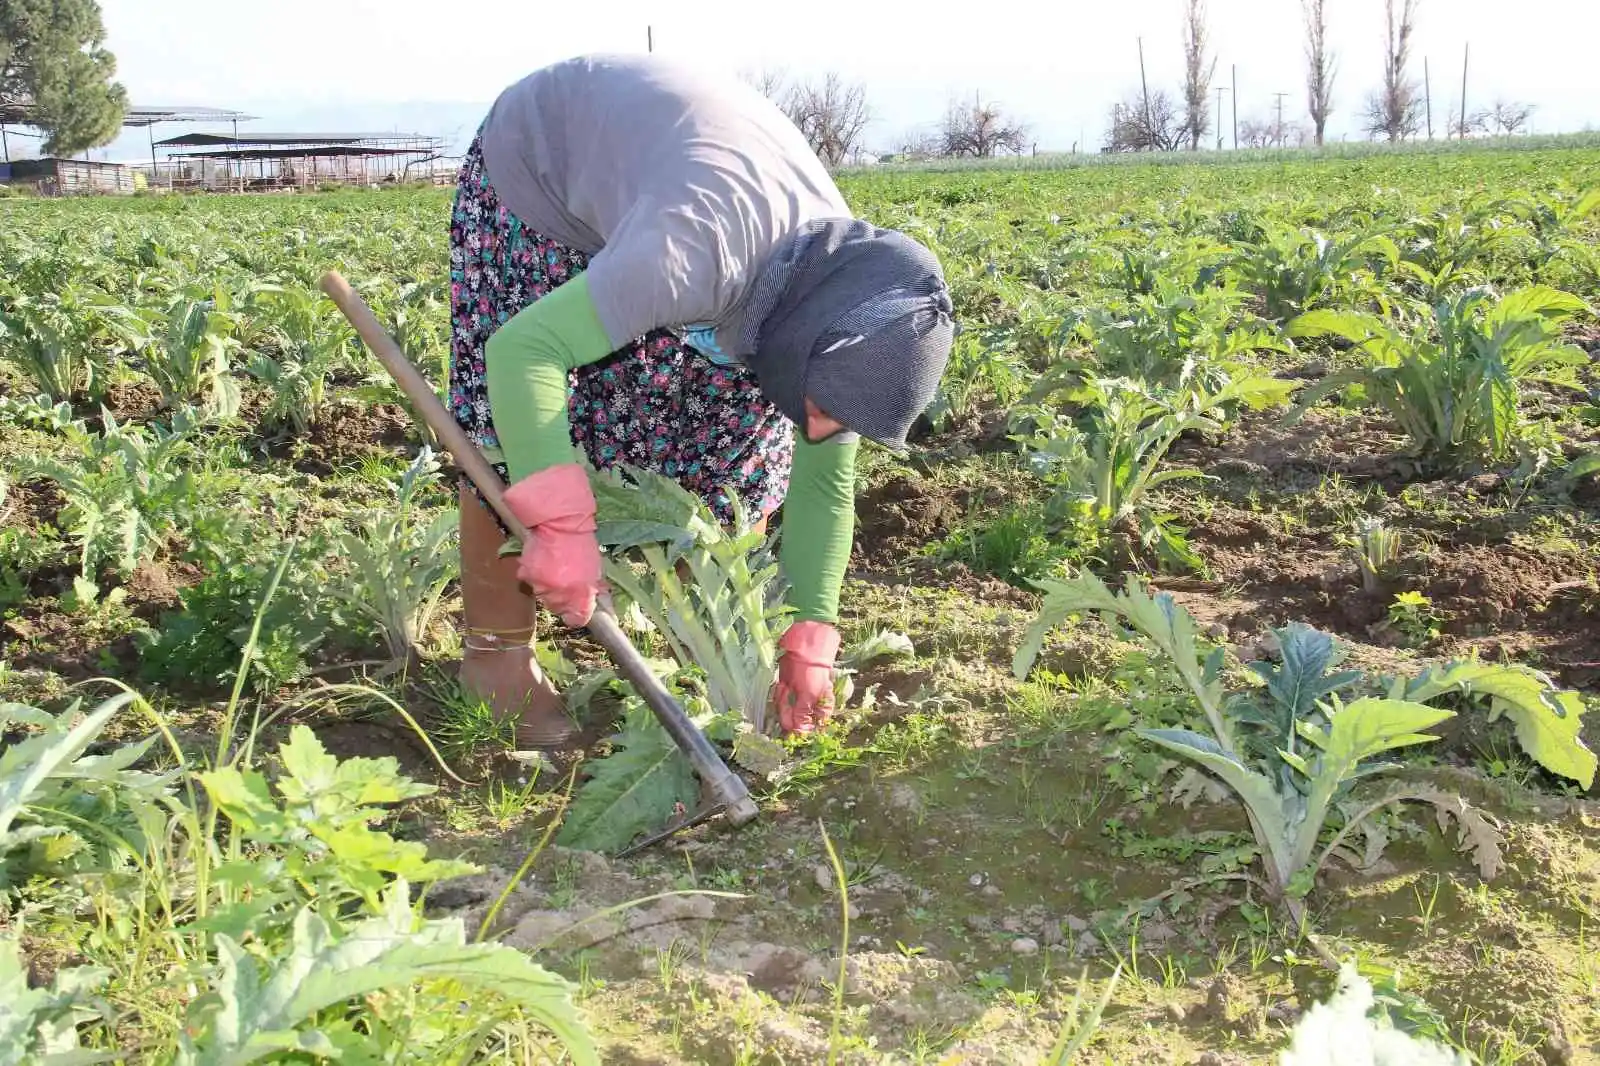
x: 657, y: 404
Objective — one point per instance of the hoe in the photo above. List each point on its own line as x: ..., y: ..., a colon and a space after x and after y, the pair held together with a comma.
x: 728, y: 794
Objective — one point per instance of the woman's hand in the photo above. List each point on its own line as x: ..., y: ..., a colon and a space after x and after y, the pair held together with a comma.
x: 561, y: 561
x: 804, y: 690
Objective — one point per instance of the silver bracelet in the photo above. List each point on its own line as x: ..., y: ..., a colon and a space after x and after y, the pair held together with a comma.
x: 489, y: 641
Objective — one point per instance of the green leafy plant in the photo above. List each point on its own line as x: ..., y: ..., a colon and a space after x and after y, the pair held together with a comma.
x: 60, y: 807
x: 1295, y: 270
x: 292, y: 922
x: 59, y: 338
x: 311, y: 340
x: 1103, y: 477
x: 401, y: 561
x: 127, y: 491
x: 1014, y: 544
x: 712, y: 593
x: 1176, y: 336
x: 1454, y: 388
x: 40, y: 1025
x: 1295, y: 783
x: 201, y: 643
x: 1376, y: 548
x: 1412, y: 614
x: 187, y: 354
x: 643, y: 783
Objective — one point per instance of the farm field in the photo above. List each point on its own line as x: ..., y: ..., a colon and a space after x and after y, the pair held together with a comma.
x: 1235, y: 616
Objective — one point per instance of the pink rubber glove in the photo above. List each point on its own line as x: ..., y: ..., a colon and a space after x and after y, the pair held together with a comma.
x: 561, y: 561
x: 804, y: 690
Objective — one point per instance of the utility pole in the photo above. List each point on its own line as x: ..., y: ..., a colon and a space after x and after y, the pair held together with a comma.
x: 1236, y: 107
x: 1465, y: 52
x: 1149, y: 125
x: 649, y: 38
x: 1220, y: 90
x: 1427, y: 94
x: 1278, y: 130
x: 5, y: 145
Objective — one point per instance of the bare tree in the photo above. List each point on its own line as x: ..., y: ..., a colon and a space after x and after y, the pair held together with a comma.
x: 981, y: 131
x: 1197, y: 74
x: 1320, y: 66
x: 832, y: 115
x: 921, y: 144
x: 1136, y: 126
x: 773, y: 84
x: 1273, y: 132
x: 1395, y: 110
x: 1504, y: 119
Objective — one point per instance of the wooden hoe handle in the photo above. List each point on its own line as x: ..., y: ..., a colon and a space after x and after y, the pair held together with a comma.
x: 726, y: 786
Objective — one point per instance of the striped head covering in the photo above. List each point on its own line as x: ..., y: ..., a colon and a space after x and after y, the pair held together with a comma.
x: 856, y: 317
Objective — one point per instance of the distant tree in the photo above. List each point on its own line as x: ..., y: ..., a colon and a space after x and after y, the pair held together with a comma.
x: 769, y: 82
x: 1271, y: 133
x: 831, y: 114
x: 1319, y: 66
x: 52, y: 56
x: 920, y: 144
x: 980, y: 131
x: 1197, y: 74
x: 1395, y: 110
x: 1140, y: 126
x: 1504, y: 119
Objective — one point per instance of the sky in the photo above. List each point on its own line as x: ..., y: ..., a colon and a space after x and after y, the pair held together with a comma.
x: 433, y: 67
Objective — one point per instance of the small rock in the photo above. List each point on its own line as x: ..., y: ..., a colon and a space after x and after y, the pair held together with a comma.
x: 1011, y: 924
x: 853, y: 911
x: 980, y: 923
x: 991, y: 891
x: 1088, y: 944
x: 1211, y: 1058
x: 1074, y: 923
x: 1557, y: 1049
x: 1051, y: 935
x: 904, y: 798
x: 824, y: 878
x: 1025, y: 945
x: 1176, y: 1013
x: 1217, y: 631
x: 1285, y: 1012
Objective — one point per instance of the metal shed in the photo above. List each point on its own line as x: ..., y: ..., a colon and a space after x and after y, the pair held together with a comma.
x: 70, y: 177
x: 295, y: 160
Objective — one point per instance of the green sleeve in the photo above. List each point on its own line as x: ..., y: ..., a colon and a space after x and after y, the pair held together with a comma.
x: 525, y: 366
x: 819, y: 513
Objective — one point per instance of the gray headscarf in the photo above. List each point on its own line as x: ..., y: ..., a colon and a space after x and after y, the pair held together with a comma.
x: 856, y: 317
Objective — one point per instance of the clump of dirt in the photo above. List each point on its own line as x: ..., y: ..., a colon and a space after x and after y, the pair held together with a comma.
x: 63, y: 645
x: 153, y: 586
x: 133, y: 401
x: 1360, y: 446
x: 345, y: 432
x: 32, y: 505
x: 895, y: 519
x: 350, y: 429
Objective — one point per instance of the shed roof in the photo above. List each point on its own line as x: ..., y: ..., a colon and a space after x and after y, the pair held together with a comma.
x: 375, y: 140
x: 27, y: 113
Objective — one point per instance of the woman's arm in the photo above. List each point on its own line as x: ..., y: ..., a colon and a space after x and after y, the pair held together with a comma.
x: 819, y: 515
x: 525, y: 366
